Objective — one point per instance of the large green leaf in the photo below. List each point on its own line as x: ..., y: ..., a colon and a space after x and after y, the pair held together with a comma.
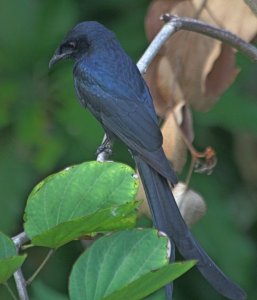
x: 151, y: 281
x: 83, y: 199
x: 9, y: 261
x: 117, y: 262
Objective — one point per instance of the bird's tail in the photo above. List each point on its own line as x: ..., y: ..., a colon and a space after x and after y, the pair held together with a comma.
x: 167, y: 218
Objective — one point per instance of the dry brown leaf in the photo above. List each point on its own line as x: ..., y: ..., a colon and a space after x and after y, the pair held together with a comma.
x: 198, y: 62
x: 239, y: 20
x: 203, y: 67
x: 150, y: 78
x: 221, y: 75
x: 152, y: 20
x: 177, y: 121
x: 167, y: 92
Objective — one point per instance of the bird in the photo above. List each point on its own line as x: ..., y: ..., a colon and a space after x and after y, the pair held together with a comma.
x: 108, y: 83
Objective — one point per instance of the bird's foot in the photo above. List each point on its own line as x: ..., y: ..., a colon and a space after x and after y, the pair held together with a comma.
x: 104, y: 151
x: 105, y: 147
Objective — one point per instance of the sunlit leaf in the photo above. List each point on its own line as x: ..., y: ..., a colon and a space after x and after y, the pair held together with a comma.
x: 83, y: 199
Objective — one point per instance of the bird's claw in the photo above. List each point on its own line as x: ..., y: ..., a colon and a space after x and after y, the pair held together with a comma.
x: 106, y: 147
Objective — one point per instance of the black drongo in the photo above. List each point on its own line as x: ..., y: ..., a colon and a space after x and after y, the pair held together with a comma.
x: 110, y: 86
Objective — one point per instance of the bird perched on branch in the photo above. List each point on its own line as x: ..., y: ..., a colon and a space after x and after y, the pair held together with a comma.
x: 110, y: 86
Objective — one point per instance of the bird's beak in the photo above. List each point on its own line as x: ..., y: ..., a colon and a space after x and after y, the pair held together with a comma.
x: 57, y: 57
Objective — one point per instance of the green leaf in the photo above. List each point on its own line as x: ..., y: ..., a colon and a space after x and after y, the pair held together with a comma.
x: 158, y: 295
x: 10, y: 265
x: 115, y: 261
x: 109, y: 219
x: 83, y: 199
x: 151, y: 282
x: 9, y: 261
x: 7, y: 247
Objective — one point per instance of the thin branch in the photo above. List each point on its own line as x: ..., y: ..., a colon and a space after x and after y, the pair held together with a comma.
x: 49, y: 254
x: 21, y: 285
x: 20, y: 239
x: 162, y: 36
x: 20, y: 282
x: 10, y: 290
x: 182, y: 23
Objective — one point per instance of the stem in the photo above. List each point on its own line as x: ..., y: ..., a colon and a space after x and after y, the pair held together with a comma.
x: 10, y: 291
x: 20, y: 282
x: 20, y: 239
x: 49, y: 254
x: 182, y: 23
x: 162, y: 36
x: 21, y: 285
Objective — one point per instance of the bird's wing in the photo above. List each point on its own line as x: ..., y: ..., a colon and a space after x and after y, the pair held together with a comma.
x: 129, y: 114
x: 130, y: 135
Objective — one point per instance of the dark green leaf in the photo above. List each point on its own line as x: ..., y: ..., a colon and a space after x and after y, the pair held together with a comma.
x: 7, y: 247
x: 9, y: 261
x: 117, y: 260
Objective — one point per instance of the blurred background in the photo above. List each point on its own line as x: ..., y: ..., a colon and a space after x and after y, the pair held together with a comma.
x: 43, y: 129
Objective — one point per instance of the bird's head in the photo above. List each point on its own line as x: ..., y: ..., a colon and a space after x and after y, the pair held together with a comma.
x: 80, y: 40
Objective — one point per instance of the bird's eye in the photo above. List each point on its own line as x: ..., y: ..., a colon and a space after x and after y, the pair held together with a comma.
x: 69, y: 46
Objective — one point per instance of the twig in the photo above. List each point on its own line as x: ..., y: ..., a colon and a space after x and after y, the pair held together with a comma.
x: 20, y: 282
x: 182, y: 23
x: 49, y: 254
x: 21, y: 285
x: 10, y: 290
x: 162, y: 36
x: 20, y: 239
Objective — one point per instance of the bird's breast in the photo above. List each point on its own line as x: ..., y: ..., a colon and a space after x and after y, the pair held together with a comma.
x: 89, y: 94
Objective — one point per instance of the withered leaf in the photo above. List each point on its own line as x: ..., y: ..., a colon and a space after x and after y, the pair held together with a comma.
x: 201, y: 66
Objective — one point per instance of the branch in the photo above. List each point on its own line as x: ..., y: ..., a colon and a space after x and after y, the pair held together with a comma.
x: 21, y: 285
x: 162, y: 36
x: 182, y: 23
x: 46, y: 259
x: 20, y: 239
x: 20, y: 282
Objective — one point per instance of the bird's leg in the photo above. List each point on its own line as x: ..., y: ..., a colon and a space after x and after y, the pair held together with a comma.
x: 106, y: 146
x: 105, y: 149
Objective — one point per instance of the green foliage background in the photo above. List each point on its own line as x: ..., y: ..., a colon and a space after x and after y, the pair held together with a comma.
x: 43, y: 129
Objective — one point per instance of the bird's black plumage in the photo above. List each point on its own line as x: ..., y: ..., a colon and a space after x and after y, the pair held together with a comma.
x: 109, y: 84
